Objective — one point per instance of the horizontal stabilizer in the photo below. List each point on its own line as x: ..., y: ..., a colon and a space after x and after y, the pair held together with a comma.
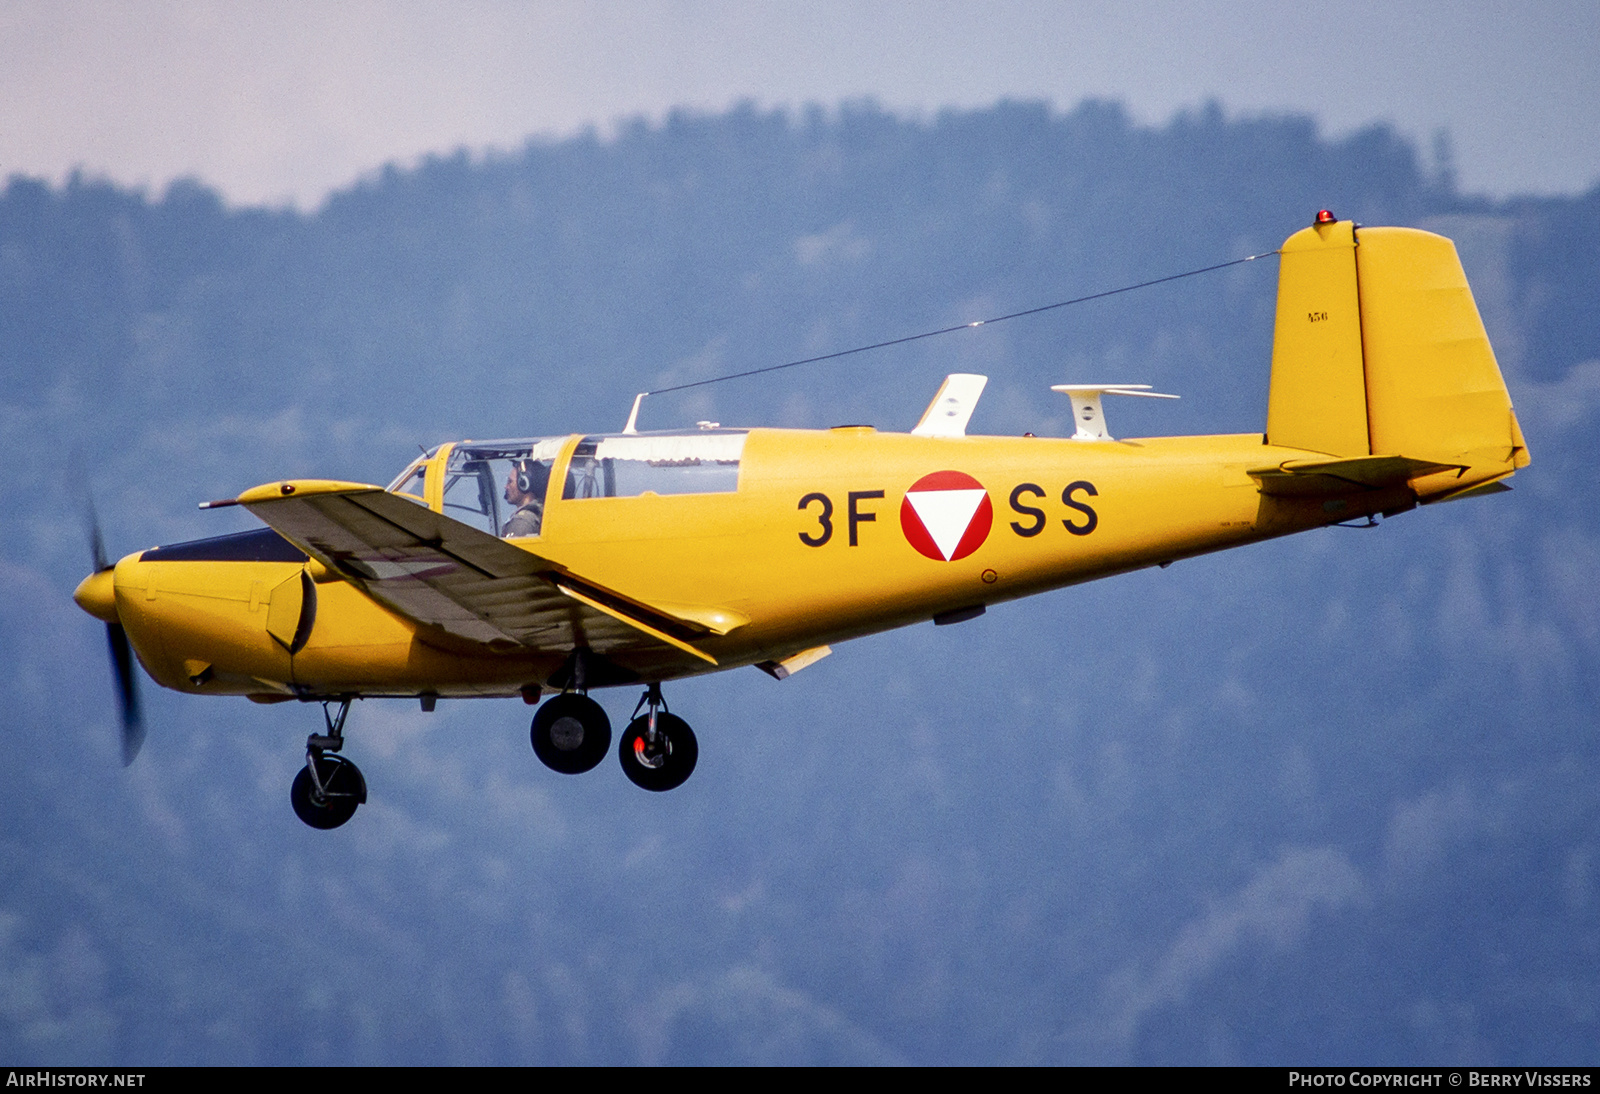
x: 1315, y: 478
x: 1482, y: 489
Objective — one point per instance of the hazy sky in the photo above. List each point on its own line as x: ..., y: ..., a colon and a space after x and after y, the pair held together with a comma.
x: 278, y: 101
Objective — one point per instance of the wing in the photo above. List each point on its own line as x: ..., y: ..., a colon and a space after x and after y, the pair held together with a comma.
x: 469, y: 584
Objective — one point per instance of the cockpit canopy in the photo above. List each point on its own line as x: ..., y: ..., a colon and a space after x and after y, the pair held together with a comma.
x: 502, y: 487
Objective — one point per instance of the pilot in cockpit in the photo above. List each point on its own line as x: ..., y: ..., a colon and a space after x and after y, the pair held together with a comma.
x: 525, y: 489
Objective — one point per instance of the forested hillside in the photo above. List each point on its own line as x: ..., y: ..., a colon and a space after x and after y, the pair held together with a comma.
x: 1326, y: 799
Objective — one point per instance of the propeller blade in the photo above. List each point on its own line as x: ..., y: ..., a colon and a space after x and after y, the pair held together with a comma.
x: 127, y: 691
x: 97, y: 544
x: 117, y: 641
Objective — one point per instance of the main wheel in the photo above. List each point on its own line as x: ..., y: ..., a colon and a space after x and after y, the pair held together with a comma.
x: 344, y: 786
x: 669, y: 762
x: 571, y: 734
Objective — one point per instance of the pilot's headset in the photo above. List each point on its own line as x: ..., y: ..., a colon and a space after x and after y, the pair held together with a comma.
x: 532, y: 477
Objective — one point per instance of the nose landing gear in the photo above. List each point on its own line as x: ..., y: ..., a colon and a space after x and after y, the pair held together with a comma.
x: 658, y: 749
x: 329, y: 787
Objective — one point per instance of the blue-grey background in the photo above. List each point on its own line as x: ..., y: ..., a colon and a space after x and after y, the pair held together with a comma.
x: 277, y: 101
x: 1329, y: 799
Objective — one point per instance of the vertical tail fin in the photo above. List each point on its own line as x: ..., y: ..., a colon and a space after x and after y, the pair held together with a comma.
x: 1379, y: 350
x: 1318, y: 398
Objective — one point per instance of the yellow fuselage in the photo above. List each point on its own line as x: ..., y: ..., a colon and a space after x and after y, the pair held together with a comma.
x: 810, y: 549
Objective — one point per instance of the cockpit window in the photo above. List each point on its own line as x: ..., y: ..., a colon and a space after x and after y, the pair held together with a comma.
x: 411, y: 481
x: 628, y: 466
x: 499, y: 486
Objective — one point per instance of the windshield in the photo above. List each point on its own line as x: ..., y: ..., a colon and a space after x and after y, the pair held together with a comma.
x: 410, y: 481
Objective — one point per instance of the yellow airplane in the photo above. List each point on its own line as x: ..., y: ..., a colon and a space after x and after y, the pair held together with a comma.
x: 563, y: 564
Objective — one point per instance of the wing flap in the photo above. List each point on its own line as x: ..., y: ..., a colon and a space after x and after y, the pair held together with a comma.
x: 661, y: 636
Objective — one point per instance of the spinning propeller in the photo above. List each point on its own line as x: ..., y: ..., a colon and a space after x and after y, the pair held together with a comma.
x: 97, y: 596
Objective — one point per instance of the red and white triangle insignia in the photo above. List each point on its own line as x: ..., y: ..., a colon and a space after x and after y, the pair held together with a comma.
x: 946, y: 515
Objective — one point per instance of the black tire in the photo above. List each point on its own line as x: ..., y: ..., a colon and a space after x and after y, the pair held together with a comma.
x: 674, y: 759
x: 346, y: 789
x: 571, y: 734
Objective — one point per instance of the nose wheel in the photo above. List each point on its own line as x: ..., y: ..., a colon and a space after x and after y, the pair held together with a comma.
x: 658, y: 749
x: 571, y: 734
x: 329, y: 797
x: 329, y: 787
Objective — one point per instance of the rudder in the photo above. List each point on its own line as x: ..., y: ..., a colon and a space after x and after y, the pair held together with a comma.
x: 1434, y: 389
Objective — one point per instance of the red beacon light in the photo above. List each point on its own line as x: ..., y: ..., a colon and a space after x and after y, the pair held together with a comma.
x: 1325, y: 216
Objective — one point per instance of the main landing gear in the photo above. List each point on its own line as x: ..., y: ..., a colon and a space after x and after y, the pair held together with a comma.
x: 329, y: 787
x: 658, y: 750
x: 571, y: 734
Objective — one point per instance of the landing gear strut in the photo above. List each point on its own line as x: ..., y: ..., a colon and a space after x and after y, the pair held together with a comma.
x: 329, y: 787
x: 658, y: 750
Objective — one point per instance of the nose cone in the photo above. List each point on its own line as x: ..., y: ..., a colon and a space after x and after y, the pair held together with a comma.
x: 97, y: 595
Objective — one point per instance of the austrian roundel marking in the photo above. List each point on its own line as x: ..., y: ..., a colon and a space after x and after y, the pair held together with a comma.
x: 946, y: 515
